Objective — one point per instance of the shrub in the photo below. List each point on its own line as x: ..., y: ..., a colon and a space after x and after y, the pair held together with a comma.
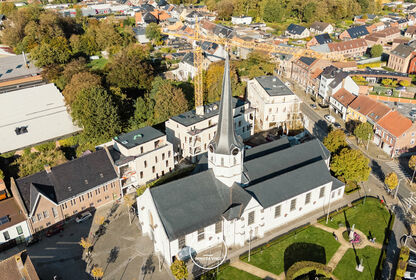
x: 69, y: 142
x: 301, y: 268
x: 49, y: 146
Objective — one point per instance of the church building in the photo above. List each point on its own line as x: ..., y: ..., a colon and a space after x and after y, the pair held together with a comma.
x: 235, y: 195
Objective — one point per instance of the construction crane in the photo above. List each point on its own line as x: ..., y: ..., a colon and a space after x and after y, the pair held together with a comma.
x: 239, y: 43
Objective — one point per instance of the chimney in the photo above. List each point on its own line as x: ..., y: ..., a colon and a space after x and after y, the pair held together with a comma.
x: 47, y: 168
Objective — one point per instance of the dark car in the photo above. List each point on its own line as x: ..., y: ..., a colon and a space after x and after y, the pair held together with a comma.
x: 337, y: 125
x: 32, y: 240
x: 59, y: 227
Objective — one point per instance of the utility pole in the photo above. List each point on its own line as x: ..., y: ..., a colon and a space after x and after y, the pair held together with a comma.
x: 368, y: 142
x: 397, y: 189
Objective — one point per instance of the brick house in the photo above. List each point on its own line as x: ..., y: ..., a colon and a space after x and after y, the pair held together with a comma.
x: 395, y: 133
x: 319, y: 40
x: 410, y: 32
x: 360, y: 108
x: 350, y: 48
x: 57, y: 193
x: 305, y: 70
x: 383, y: 37
x: 400, y: 57
x: 354, y: 33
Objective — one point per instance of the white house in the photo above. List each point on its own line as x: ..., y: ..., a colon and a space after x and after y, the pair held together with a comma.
x: 236, y: 195
x: 332, y: 79
x: 295, y: 31
x: 276, y: 105
x: 241, y: 20
x: 321, y: 28
x: 141, y: 156
x: 13, y: 225
x: 340, y: 101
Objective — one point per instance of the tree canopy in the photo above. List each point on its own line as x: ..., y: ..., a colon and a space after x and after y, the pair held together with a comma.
x: 169, y: 101
x: 79, y: 82
x: 94, y: 110
x: 376, y: 50
x: 179, y: 269
x: 351, y: 165
x: 364, y: 132
x: 335, y: 141
x: 153, y: 33
x: 391, y: 181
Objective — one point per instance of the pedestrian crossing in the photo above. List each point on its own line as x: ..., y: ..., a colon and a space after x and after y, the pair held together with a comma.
x: 409, y: 201
x: 401, y: 173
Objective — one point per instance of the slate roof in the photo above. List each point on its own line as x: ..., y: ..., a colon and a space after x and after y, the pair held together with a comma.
x: 137, y: 137
x: 295, y: 29
x: 320, y: 26
x: 188, y: 58
x: 13, y: 67
x: 149, y: 18
x: 67, y: 180
x: 190, y: 118
x: 403, y: 50
x: 332, y: 72
x: 357, y: 31
x: 276, y: 171
x: 273, y: 86
x: 307, y: 60
x: 323, y: 39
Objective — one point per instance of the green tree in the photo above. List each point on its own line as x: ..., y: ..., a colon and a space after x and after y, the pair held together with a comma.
x: 391, y: 181
x: 273, y: 11
x: 153, y: 33
x: 129, y: 69
x: 143, y: 113
x: 69, y: 70
x: 94, y: 110
x: 29, y: 163
x: 169, y: 101
x: 364, y: 132
x: 79, y: 82
x: 404, y: 83
x: 351, y: 165
x: 56, y: 51
x: 1, y: 175
x: 412, y: 165
x: 225, y: 9
x: 386, y: 82
x: 335, y: 141
x: 179, y: 269
x: 376, y: 50
x: 6, y: 8
x: 309, y: 13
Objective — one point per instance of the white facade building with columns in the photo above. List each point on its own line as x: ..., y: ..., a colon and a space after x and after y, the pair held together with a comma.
x: 235, y: 195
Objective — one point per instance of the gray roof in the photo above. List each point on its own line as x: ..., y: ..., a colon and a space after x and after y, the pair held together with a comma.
x: 403, y: 50
x: 295, y: 29
x: 190, y: 118
x: 139, y: 31
x: 67, y: 180
x: 12, y: 67
x: 370, y: 71
x: 321, y: 48
x: 323, y: 39
x: 276, y: 171
x: 225, y: 139
x: 332, y: 72
x: 137, y: 137
x: 188, y: 58
x: 320, y: 26
x: 307, y: 60
x: 357, y: 31
x: 273, y: 86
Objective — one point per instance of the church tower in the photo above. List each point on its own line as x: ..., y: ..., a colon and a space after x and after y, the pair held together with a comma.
x: 226, y: 150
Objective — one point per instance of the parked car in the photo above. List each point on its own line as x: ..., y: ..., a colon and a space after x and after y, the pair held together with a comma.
x: 82, y: 217
x: 329, y: 118
x: 313, y: 106
x: 32, y: 240
x: 247, y: 147
x: 412, y: 262
x: 410, y: 275
x: 337, y: 125
x: 412, y: 113
x: 59, y: 227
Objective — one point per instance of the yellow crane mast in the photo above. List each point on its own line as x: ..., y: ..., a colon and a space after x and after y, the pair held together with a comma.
x: 239, y: 43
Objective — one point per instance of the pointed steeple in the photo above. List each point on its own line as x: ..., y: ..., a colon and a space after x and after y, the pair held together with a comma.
x: 225, y: 139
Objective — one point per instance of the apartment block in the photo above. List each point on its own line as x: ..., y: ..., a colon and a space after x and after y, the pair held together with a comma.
x: 191, y: 133
x: 141, y: 156
x: 275, y: 104
x: 59, y: 192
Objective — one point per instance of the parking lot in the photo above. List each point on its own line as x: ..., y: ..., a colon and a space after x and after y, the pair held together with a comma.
x: 121, y: 251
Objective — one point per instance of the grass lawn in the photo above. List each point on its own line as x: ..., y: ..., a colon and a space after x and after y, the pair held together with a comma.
x: 311, y: 244
x: 233, y: 273
x: 98, y: 64
x: 371, y: 216
x: 346, y: 267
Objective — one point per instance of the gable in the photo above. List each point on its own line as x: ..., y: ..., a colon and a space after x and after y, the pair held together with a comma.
x: 42, y: 203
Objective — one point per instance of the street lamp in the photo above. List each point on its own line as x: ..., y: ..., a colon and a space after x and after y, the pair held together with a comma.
x: 397, y: 189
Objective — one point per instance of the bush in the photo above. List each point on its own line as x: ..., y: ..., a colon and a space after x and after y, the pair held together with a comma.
x: 402, y: 263
x: 49, y: 146
x: 301, y: 268
x: 69, y: 142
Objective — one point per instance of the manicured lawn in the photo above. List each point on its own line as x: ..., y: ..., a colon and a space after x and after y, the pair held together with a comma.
x: 98, y: 64
x: 311, y: 244
x: 233, y: 273
x: 345, y: 269
x: 371, y: 216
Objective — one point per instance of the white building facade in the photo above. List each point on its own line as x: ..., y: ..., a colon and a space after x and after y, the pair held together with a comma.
x: 13, y: 224
x: 333, y: 79
x: 275, y: 104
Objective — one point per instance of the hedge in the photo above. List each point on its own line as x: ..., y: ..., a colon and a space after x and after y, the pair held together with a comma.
x: 402, y: 263
x: 301, y: 268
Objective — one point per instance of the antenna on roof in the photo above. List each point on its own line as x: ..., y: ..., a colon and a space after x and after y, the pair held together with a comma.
x: 24, y: 59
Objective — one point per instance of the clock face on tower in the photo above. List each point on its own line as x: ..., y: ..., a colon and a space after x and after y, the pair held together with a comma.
x: 235, y: 151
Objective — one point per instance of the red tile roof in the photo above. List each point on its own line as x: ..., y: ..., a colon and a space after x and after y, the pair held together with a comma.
x: 363, y: 104
x: 347, y: 45
x: 344, y: 97
x: 378, y: 112
x: 395, y: 123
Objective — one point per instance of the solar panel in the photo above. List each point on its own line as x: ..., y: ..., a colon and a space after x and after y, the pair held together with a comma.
x: 4, y: 220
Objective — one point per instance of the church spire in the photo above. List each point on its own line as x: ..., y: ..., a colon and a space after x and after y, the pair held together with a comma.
x: 225, y: 139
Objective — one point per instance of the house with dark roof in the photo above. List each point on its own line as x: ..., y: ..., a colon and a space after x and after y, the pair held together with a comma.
x: 319, y: 27
x: 383, y: 37
x: 236, y: 195
x: 306, y: 70
x: 354, y: 33
x: 400, y: 57
x: 295, y: 31
x: 332, y: 79
x: 320, y: 39
x: 395, y: 133
x: 59, y: 192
